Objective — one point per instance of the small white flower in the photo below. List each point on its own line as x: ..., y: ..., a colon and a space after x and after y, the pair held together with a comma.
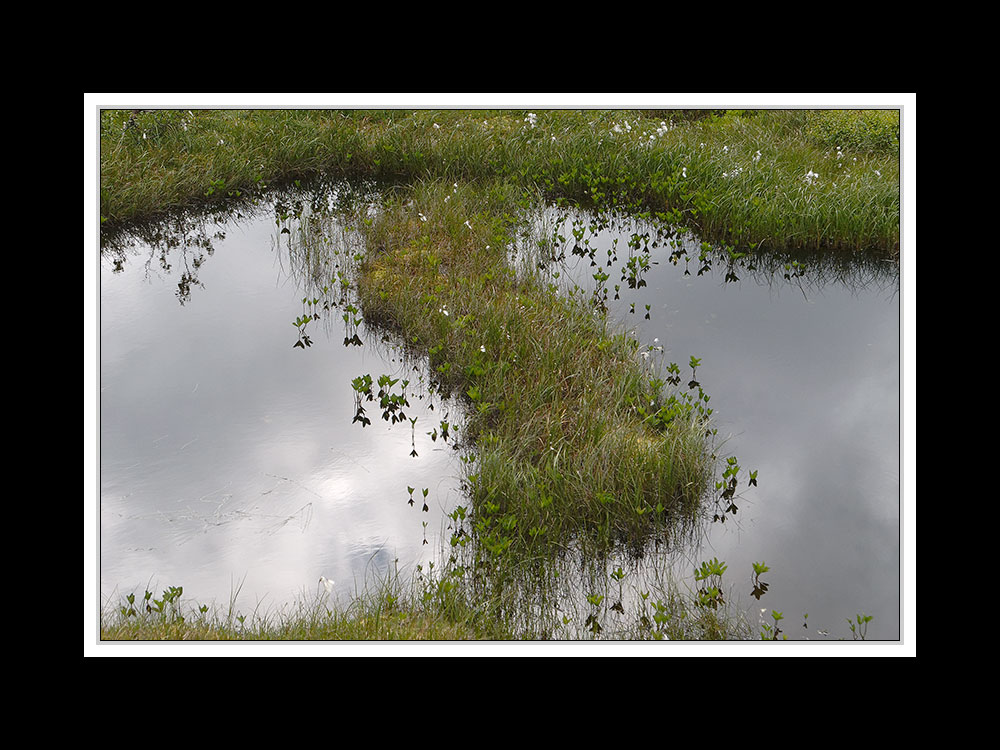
x: 756, y: 157
x: 483, y: 348
x: 222, y: 142
x: 422, y: 217
x: 436, y: 126
x: 878, y: 173
x: 327, y: 583
x: 684, y: 171
x: 468, y: 224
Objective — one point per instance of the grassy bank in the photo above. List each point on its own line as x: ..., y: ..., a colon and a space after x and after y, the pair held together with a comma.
x: 573, y: 434
x: 809, y: 179
x: 447, y: 605
x: 580, y: 448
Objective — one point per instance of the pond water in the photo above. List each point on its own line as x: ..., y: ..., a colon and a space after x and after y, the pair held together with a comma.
x: 231, y: 458
x: 803, y: 374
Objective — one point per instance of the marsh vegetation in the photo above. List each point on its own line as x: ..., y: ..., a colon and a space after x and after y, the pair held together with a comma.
x: 506, y: 263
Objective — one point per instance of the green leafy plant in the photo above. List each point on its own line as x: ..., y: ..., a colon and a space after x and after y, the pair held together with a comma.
x: 709, y: 575
x: 859, y: 626
x: 759, y: 587
x: 769, y: 631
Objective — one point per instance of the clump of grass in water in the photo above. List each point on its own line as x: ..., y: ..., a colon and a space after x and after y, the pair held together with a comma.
x: 556, y: 395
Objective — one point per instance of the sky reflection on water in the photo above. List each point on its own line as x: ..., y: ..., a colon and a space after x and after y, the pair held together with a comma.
x: 803, y: 375
x: 229, y: 459
x: 228, y: 456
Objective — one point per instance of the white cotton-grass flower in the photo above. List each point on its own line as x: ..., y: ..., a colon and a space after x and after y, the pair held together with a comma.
x: 326, y: 583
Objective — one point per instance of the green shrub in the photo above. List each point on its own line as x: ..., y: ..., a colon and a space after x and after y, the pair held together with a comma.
x: 867, y: 130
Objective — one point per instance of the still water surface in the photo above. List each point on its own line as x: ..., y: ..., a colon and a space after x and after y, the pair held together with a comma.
x: 803, y: 375
x: 229, y: 460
